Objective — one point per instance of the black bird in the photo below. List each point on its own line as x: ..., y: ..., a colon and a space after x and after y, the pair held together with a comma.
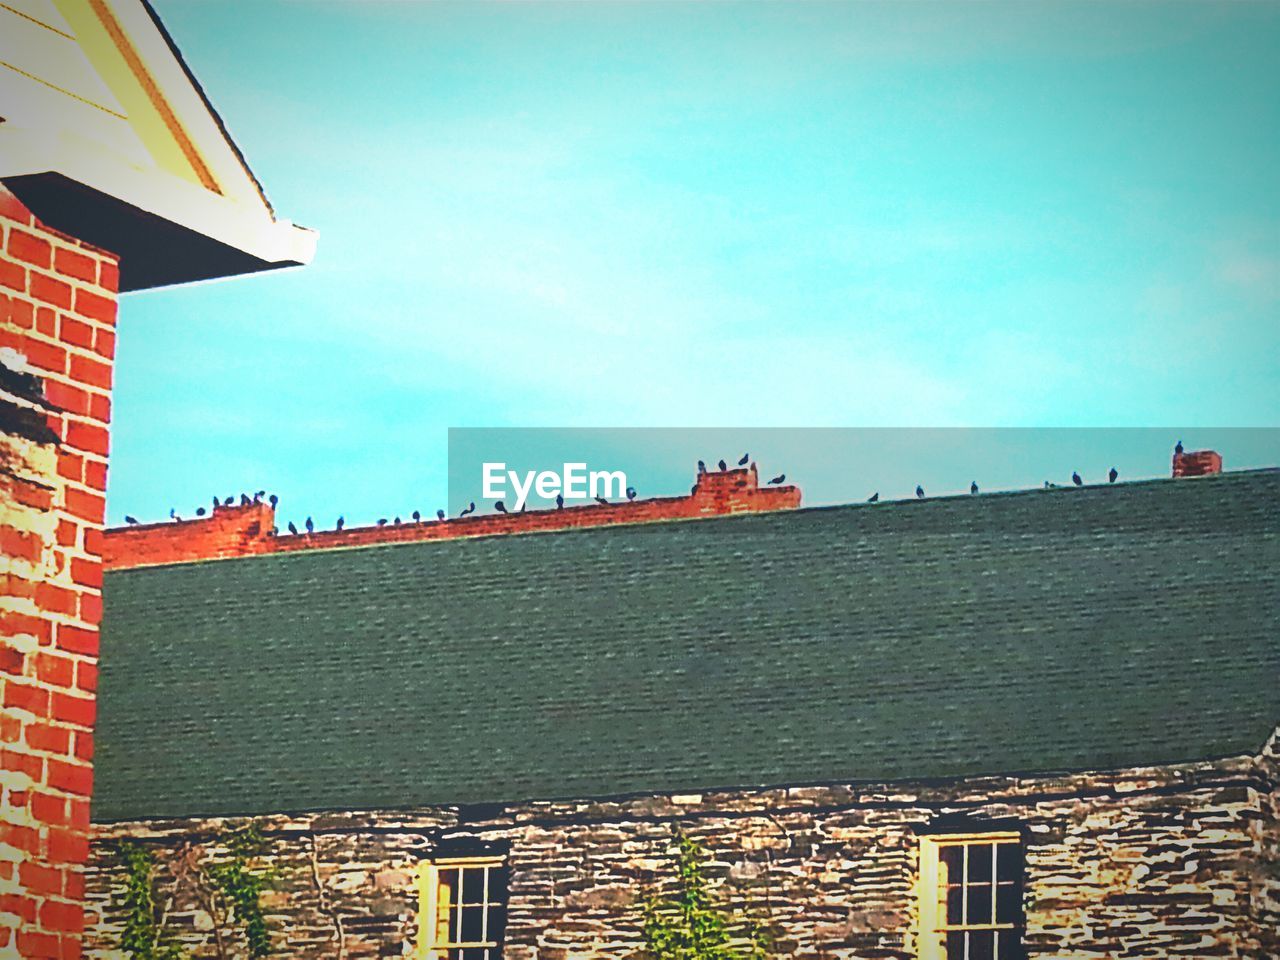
x: 500, y: 506
x: 229, y: 500
x: 919, y: 491
x: 631, y: 493
x: 702, y: 467
x: 396, y: 521
x: 723, y: 466
x: 602, y: 500
x: 439, y: 514
x: 1075, y: 478
x: 1178, y: 447
x: 311, y: 527
x: 173, y: 514
x: 257, y: 497
x: 780, y: 478
x: 244, y: 500
x: 559, y: 501
x: 973, y: 487
x: 745, y: 458
x: 874, y: 497
x: 1111, y: 477
x: 382, y: 522
x: 199, y: 511
x: 129, y: 519
x: 292, y: 528
x: 471, y: 508
x: 273, y: 500
x: 216, y: 504
x: 417, y: 517
x: 341, y: 523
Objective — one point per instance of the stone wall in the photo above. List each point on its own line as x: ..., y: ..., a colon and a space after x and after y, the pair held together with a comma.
x: 1169, y: 862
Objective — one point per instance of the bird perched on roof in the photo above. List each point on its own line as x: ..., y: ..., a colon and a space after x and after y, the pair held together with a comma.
x: 874, y: 498
x: 723, y: 466
x: 216, y: 503
x: 130, y: 520
x: 199, y: 511
x: 244, y: 500
x: 631, y: 493
x: 173, y: 515
x: 919, y: 491
x: 780, y: 478
x: 417, y: 516
x: 973, y: 487
x: 382, y: 521
x: 559, y: 501
x: 1111, y: 476
x: 471, y: 508
x: 1178, y: 447
x: 273, y: 500
x: 746, y: 457
x: 311, y: 527
x: 439, y: 514
x: 341, y: 523
x: 1075, y: 478
x: 257, y: 497
x: 293, y: 529
x: 702, y: 466
x: 602, y: 501
x: 500, y: 506
x: 396, y: 521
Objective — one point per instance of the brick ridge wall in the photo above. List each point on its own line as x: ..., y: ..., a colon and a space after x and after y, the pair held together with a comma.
x: 249, y: 530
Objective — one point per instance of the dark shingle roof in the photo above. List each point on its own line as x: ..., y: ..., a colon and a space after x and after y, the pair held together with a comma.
x: 1030, y: 632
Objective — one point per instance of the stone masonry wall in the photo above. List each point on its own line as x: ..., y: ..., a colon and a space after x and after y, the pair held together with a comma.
x: 57, y: 328
x: 1157, y: 863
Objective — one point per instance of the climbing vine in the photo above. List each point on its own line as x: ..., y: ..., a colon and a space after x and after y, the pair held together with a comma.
x: 690, y: 927
x: 144, y: 924
x: 228, y: 890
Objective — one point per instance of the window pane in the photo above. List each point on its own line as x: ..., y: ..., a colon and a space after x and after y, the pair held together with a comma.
x: 955, y: 905
x: 472, y: 924
x: 1007, y: 903
x: 979, y: 903
x: 955, y: 945
x: 951, y: 862
x: 980, y: 862
x: 1010, y: 945
x: 982, y: 945
x: 1008, y: 861
x: 473, y: 885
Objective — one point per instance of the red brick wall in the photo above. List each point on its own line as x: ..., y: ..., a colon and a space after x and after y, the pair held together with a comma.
x: 58, y: 311
x: 245, y: 531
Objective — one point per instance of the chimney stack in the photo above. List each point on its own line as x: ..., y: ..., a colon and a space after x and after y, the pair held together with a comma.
x: 1197, y: 463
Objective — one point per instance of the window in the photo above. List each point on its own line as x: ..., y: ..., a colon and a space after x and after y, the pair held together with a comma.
x: 971, y: 897
x: 462, y: 905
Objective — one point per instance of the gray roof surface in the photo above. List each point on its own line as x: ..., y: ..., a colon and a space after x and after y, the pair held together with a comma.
x: 1040, y: 631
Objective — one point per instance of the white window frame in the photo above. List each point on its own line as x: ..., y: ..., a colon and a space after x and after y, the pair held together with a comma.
x: 428, y: 881
x: 931, y: 895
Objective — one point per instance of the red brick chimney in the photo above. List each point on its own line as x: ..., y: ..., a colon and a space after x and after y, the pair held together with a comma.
x: 1197, y: 463
x: 240, y: 531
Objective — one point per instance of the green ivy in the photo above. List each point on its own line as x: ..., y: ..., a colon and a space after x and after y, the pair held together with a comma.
x: 142, y: 931
x: 243, y: 886
x: 690, y: 927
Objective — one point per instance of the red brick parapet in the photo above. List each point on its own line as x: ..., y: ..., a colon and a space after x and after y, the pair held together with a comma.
x: 240, y: 531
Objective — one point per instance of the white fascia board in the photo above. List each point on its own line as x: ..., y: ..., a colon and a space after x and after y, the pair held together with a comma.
x: 246, y: 227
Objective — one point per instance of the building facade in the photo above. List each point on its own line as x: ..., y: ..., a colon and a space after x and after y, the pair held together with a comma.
x: 116, y: 175
x: 1038, y: 724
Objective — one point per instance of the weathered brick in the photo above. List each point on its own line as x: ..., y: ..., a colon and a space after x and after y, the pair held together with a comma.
x: 96, y: 306
x: 75, y: 332
x: 91, y: 371
x: 72, y: 709
x: 77, y: 639
x: 73, y: 264
x: 71, y: 777
x: 62, y: 917
x: 29, y: 248
x: 42, y: 736
x: 46, y: 288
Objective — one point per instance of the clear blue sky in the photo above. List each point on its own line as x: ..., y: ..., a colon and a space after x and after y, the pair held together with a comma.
x: 756, y: 215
